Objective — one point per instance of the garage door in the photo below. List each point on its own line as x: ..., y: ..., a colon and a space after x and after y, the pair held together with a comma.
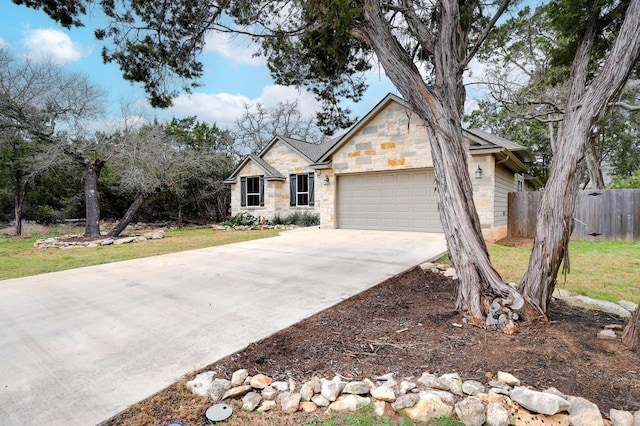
x: 398, y: 201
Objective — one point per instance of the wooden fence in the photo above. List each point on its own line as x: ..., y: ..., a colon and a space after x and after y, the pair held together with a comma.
x: 612, y: 214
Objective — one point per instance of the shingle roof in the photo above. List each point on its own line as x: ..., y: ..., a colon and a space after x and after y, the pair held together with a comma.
x: 496, y: 140
x: 313, y: 151
x: 271, y: 172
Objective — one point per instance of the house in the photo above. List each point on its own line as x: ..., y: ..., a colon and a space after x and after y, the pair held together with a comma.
x: 378, y: 175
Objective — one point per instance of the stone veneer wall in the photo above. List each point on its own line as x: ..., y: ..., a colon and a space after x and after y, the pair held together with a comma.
x: 395, y: 139
x: 276, y: 200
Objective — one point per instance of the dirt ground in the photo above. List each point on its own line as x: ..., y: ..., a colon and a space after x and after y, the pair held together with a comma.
x: 404, y: 325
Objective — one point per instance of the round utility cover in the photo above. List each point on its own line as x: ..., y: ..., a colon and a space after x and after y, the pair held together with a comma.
x: 175, y: 424
x: 219, y: 412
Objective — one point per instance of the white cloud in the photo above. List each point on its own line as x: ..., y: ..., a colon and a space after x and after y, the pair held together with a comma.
x: 3, y: 43
x: 224, y: 108
x: 45, y: 44
x: 237, y: 49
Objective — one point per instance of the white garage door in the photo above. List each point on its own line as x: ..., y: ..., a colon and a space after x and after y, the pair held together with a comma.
x: 397, y: 201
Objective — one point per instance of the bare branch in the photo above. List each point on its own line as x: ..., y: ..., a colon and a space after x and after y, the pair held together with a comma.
x: 484, y: 34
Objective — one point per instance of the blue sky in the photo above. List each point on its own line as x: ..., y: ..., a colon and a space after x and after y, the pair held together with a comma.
x: 232, y: 76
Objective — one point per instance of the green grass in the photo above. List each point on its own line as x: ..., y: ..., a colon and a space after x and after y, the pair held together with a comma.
x: 18, y: 257
x: 363, y: 417
x: 367, y: 417
x: 606, y: 270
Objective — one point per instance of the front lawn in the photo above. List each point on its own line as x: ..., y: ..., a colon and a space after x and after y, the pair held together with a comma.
x: 18, y: 257
x: 607, y: 270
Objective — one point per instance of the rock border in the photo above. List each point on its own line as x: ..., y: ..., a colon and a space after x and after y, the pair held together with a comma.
x: 502, y: 401
x: 60, y: 243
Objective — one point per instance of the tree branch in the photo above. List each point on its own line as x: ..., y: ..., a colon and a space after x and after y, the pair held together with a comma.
x: 484, y: 35
x: 626, y: 106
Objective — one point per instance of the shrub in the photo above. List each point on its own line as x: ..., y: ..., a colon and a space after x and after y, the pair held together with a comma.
x: 278, y: 220
x: 297, y: 218
x: 242, y: 219
x: 626, y: 182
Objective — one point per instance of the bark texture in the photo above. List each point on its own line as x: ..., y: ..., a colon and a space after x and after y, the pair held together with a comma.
x: 440, y: 106
x: 631, y: 334
x: 129, y: 214
x: 18, y: 201
x: 584, y: 107
x: 91, y: 198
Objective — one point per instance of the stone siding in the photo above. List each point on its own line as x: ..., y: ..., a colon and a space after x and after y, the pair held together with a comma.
x: 276, y: 198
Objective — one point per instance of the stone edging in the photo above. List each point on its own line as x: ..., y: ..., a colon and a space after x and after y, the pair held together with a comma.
x: 501, y: 402
x: 60, y: 243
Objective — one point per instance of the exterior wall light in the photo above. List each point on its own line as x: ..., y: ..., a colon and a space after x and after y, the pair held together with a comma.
x: 326, y: 180
x: 478, y: 173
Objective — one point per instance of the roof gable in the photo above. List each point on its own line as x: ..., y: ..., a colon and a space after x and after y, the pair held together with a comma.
x: 270, y: 173
x: 310, y: 151
x: 342, y: 140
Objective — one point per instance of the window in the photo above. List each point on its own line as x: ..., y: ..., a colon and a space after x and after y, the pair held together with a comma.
x: 301, y: 190
x: 252, y: 191
x: 519, y: 182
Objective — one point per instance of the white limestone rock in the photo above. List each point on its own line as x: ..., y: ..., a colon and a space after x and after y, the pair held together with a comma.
x: 289, y: 402
x: 201, y: 384
x: 497, y: 415
x: 266, y: 406
x: 508, y: 378
x: 539, y: 402
x: 445, y: 396
x: 280, y: 386
x: 620, y: 417
x: 629, y: 306
x: 427, y: 408
x: 348, y: 403
x: 357, y: 388
x: 450, y: 273
x: 218, y: 388
x: 472, y: 387
x: 383, y: 393
x: 405, y: 401
x: 238, y: 377
x: 470, y: 411
x: 260, y: 381
x: 320, y: 400
x: 306, y: 391
x: 379, y: 407
x: 584, y: 413
x: 453, y: 383
x: 269, y: 393
x: 431, y: 381
x: 330, y: 389
x: 601, y: 305
x: 236, y: 392
x: 251, y: 401
x: 406, y: 386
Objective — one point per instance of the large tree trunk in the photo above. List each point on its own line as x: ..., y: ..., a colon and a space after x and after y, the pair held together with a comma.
x: 91, y: 198
x: 584, y: 108
x: 129, y: 214
x: 594, y: 165
x: 18, y: 202
x: 440, y: 107
x: 631, y: 334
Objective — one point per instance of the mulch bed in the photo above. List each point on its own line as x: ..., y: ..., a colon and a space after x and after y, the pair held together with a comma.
x: 404, y: 326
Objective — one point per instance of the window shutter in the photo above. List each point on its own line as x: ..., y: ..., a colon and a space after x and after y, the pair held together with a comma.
x: 311, y: 190
x: 261, y: 191
x: 243, y: 192
x: 292, y: 191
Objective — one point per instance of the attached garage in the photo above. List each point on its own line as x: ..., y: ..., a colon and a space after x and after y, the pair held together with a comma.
x: 389, y: 201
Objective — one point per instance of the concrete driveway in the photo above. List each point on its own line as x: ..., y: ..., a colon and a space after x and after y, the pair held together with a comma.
x: 77, y: 347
